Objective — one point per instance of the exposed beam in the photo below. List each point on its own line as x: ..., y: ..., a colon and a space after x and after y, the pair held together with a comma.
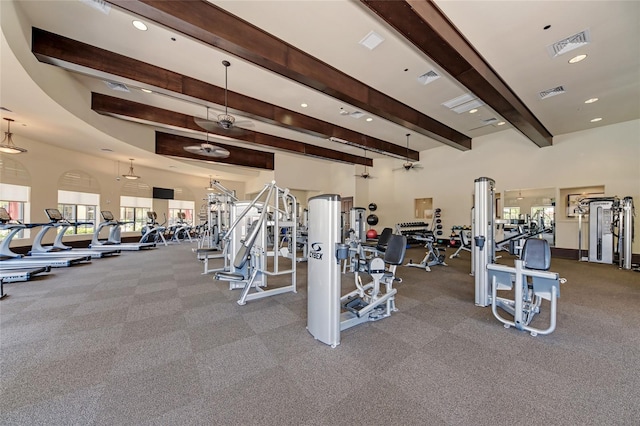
x: 81, y: 57
x: 212, y: 25
x: 134, y: 111
x: 423, y: 24
x: 173, y: 145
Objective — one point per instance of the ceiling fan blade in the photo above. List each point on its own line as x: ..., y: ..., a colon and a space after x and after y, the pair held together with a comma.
x: 207, y: 150
x: 208, y: 125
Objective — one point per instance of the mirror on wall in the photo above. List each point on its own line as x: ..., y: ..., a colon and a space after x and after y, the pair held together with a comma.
x: 530, y: 210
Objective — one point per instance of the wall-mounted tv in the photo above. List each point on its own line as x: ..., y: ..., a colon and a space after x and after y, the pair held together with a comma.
x: 163, y: 193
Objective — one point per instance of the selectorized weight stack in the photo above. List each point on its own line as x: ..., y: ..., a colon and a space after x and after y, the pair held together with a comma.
x: 482, y: 228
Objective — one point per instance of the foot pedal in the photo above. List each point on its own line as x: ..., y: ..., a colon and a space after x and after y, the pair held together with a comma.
x: 354, y: 305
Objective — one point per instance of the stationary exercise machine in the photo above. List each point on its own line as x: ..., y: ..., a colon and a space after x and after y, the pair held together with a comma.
x: 464, y: 237
x: 114, y: 239
x: 611, y: 230
x: 529, y: 279
x: 153, y: 232
x: 433, y: 257
x: 248, y: 241
x: 327, y: 312
x: 58, y: 248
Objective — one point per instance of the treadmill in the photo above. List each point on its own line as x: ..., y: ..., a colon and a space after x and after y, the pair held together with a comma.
x: 9, y: 275
x: 113, y: 241
x: 9, y: 260
x: 59, y: 249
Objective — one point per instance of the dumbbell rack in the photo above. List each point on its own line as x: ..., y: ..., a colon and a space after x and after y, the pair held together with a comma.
x: 422, y: 228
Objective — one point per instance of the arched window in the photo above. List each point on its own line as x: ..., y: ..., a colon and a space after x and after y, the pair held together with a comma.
x: 78, y: 200
x: 15, y: 192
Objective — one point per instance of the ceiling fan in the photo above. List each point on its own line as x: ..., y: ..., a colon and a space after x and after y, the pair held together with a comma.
x: 225, y: 121
x: 207, y: 150
x: 409, y: 165
x: 365, y: 174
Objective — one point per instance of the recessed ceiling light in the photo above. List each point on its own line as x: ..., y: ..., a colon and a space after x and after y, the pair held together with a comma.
x: 140, y: 25
x: 369, y: 119
x: 590, y: 101
x: 473, y: 111
x: 303, y: 105
x: 501, y: 123
x: 596, y: 119
x: 577, y: 59
x: 146, y: 90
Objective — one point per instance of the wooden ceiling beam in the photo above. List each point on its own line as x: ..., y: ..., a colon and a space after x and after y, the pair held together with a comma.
x: 422, y: 23
x: 215, y: 26
x: 80, y: 57
x: 134, y: 111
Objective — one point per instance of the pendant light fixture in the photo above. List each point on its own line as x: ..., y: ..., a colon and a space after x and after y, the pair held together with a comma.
x: 7, y: 146
x: 130, y: 174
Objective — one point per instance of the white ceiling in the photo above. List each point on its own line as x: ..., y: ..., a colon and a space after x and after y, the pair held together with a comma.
x: 508, y: 34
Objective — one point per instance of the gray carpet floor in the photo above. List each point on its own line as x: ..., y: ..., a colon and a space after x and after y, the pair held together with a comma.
x: 145, y: 339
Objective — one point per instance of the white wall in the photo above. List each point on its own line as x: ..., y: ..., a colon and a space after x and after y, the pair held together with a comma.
x: 608, y: 155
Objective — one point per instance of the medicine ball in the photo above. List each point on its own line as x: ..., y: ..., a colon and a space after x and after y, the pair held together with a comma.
x: 372, y: 219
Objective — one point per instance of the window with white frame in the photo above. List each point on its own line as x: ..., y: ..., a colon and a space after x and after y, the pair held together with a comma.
x: 133, y: 211
x: 79, y: 207
x: 181, y: 206
x: 15, y: 199
x: 511, y: 213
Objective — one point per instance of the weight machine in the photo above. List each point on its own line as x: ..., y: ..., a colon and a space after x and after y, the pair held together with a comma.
x: 433, y: 257
x: 261, y: 220
x: 529, y: 279
x: 611, y: 230
x: 327, y: 312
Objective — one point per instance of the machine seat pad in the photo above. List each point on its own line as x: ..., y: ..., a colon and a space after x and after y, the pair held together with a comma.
x: 229, y: 276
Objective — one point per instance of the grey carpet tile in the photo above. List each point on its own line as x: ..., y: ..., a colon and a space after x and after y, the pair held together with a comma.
x: 115, y: 283
x: 74, y: 408
x: 154, y: 296
x: 131, y: 399
x: 274, y: 399
x: 156, y: 286
x: 57, y: 301
x: 196, y: 289
x: 152, y: 327
x: 211, y: 313
x: 70, y: 291
x: 288, y: 341
x: 17, y: 358
x: 330, y: 377
x: 270, y: 317
x: 449, y: 393
x: 56, y: 378
x: 408, y: 329
x: 108, y: 318
x: 68, y: 345
x: 25, y: 317
x: 392, y: 407
x: 149, y: 353
x: 233, y: 363
x: 208, y: 336
x: 154, y: 309
x: 109, y: 304
x: 198, y: 412
x: 21, y: 333
x: 203, y: 300
x: 101, y: 293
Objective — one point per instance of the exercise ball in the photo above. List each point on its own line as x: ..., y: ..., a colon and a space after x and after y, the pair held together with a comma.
x: 373, y: 207
x: 372, y: 234
x: 372, y: 219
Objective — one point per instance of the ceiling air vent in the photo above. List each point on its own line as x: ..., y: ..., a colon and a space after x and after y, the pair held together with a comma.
x: 117, y: 86
x: 100, y: 5
x: 357, y: 114
x: 551, y: 92
x: 568, y: 44
x: 371, y: 40
x: 428, y: 77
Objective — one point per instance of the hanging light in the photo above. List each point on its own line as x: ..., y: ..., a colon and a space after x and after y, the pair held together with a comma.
x: 7, y: 146
x: 519, y: 197
x: 130, y: 174
x: 210, y: 187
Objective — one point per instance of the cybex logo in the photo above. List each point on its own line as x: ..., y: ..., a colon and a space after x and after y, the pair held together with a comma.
x: 316, y: 251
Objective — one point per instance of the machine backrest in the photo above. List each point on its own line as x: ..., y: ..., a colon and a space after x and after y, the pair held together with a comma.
x: 536, y: 254
x: 383, y: 238
x: 396, y: 248
x: 245, y: 248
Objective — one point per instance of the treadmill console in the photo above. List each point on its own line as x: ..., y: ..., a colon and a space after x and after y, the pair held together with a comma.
x: 4, y: 215
x: 107, y: 215
x: 54, y: 215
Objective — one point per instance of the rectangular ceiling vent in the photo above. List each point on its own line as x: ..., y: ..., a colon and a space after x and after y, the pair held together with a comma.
x: 463, y: 103
x: 428, y: 77
x: 551, y: 92
x: 371, y: 40
x: 570, y: 43
x: 489, y: 121
x: 100, y: 5
x: 357, y: 114
x: 117, y: 86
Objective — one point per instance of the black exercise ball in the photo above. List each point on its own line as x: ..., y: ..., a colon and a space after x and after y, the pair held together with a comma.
x: 372, y: 219
x: 373, y: 207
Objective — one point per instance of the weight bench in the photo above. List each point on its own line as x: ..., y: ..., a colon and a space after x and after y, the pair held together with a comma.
x: 533, y: 283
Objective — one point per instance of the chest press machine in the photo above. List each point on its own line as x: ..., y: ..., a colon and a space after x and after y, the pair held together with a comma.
x: 327, y: 312
x: 530, y: 280
x: 263, y: 219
